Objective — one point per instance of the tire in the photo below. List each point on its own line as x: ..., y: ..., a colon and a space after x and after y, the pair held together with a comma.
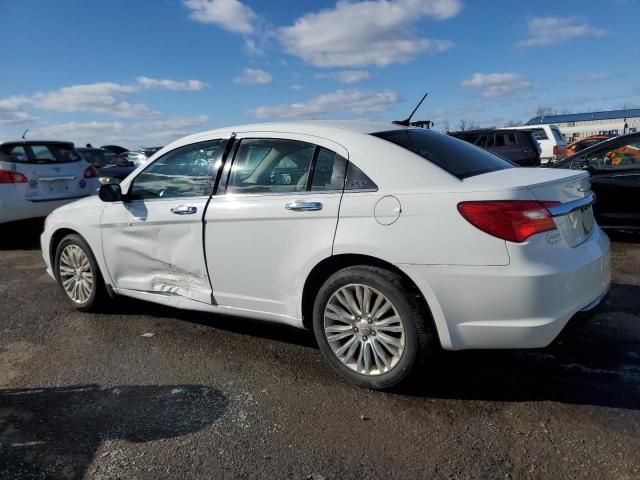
x: 414, y: 339
x: 69, y: 253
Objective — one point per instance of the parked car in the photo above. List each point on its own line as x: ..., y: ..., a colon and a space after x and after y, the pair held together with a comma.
x: 551, y: 140
x: 117, y: 149
x: 125, y: 163
x: 614, y: 166
x: 39, y: 176
x: 579, y: 145
x: 389, y: 242
x: 519, y: 146
x: 98, y: 157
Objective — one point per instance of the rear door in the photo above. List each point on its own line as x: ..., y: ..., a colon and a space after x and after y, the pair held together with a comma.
x: 153, y: 241
x: 273, y: 218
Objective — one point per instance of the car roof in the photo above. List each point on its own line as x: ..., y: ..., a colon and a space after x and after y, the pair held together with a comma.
x: 21, y: 141
x: 491, y: 130
x: 302, y: 126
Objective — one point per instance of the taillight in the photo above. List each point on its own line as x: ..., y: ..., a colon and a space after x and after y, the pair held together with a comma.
x: 7, y: 176
x: 90, y: 172
x: 513, y: 220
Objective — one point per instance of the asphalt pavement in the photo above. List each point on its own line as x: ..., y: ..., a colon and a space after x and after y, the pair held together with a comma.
x: 144, y: 391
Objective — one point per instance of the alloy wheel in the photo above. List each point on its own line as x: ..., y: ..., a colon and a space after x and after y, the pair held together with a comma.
x: 364, y: 329
x: 75, y: 273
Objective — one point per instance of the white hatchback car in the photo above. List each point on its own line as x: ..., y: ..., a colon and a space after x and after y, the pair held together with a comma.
x: 390, y: 242
x: 38, y: 176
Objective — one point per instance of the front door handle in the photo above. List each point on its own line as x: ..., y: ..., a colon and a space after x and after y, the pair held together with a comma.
x: 300, y: 206
x: 184, y: 210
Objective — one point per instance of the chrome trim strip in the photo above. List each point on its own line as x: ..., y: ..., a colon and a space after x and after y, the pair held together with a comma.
x: 56, y: 179
x: 566, y: 208
x: 40, y: 200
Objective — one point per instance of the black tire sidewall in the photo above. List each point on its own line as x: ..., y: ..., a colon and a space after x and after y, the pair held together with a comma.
x: 397, y: 295
x: 80, y: 242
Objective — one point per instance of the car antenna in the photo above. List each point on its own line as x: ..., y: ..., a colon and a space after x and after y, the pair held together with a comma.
x: 25, y: 133
x: 407, y: 122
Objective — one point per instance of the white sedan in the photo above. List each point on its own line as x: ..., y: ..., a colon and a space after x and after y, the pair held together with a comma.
x: 390, y: 242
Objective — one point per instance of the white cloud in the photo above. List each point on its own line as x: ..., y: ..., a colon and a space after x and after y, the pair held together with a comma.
x: 80, y: 133
x: 9, y: 117
x: 297, y: 87
x: 253, y: 76
x: 341, y: 101
x: 370, y: 32
x: 555, y: 30
x: 11, y: 113
x: 193, y: 85
x: 589, y: 77
x: 497, y: 84
x: 347, y: 76
x: 232, y: 15
x: 178, y: 123
x: 95, y: 97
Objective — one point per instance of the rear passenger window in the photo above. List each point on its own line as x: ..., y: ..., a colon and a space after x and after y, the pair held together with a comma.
x: 264, y: 165
x: 329, y: 171
x: 505, y: 139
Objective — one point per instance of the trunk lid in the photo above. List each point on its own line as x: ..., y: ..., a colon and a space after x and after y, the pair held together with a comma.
x: 570, y: 189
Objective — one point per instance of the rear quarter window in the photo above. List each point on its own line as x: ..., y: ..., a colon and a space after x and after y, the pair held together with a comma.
x: 539, y: 133
x: 457, y: 157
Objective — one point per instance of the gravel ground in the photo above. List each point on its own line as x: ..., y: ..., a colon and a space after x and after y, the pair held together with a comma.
x: 150, y: 392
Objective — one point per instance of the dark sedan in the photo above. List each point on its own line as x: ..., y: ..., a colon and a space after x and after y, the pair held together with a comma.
x: 614, y: 166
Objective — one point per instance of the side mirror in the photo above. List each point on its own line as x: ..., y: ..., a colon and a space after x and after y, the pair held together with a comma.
x: 110, y: 193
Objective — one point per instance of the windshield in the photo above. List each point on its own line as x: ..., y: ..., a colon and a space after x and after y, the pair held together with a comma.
x: 39, y: 153
x: 457, y: 157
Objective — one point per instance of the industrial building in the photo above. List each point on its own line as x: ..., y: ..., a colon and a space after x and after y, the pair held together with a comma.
x: 580, y: 125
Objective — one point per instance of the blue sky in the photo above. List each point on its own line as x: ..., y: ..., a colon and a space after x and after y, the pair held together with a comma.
x: 143, y: 72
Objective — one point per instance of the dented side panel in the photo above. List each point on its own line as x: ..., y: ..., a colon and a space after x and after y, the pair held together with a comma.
x: 149, y: 248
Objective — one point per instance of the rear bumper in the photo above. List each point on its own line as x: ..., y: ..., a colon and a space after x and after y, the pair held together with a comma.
x: 525, y: 304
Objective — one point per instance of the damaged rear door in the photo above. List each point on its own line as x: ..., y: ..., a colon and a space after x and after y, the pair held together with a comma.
x: 153, y: 241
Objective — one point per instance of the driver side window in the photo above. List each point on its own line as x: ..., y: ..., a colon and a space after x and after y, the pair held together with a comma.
x: 621, y: 156
x: 187, y: 171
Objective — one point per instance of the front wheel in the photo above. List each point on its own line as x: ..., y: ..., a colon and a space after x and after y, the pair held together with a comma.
x: 78, y: 274
x: 372, y: 327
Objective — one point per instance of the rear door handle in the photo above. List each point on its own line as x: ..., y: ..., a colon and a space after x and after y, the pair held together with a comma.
x: 300, y: 206
x: 184, y: 210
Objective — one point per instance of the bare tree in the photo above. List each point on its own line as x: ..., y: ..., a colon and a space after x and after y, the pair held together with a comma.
x: 462, y: 126
x: 446, y: 127
x: 513, y: 123
x: 544, y: 111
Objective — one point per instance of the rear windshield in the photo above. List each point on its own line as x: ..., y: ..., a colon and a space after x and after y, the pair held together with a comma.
x: 457, y: 157
x: 39, y: 153
x: 539, y: 133
x: 558, y: 135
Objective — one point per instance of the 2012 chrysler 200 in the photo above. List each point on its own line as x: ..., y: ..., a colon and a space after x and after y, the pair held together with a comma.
x: 390, y: 242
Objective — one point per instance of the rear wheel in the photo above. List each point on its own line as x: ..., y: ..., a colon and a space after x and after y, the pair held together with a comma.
x: 372, y: 327
x: 78, y: 274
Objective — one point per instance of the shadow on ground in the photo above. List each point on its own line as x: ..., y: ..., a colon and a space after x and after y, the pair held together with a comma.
x: 596, y: 363
x: 624, y: 236
x: 22, y: 235
x: 55, y: 432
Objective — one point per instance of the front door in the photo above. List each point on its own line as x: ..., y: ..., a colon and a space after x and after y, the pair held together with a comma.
x: 273, y: 218
x: 153, y: 241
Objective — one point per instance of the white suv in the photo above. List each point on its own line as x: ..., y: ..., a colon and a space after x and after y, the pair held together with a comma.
x: 38, y: 176
x: 551, y: 140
